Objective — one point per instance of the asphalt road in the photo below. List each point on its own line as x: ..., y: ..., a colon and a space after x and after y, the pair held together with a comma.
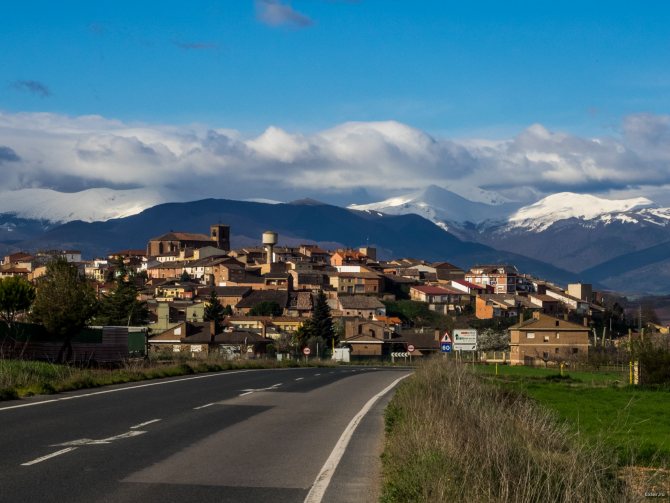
x: 259, y: 435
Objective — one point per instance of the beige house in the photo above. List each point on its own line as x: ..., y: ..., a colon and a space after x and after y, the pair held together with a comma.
x: 545, y: 339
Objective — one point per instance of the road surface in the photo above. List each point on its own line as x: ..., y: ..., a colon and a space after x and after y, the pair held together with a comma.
x: 238, y: 436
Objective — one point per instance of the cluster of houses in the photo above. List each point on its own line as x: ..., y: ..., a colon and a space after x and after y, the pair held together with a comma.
x: 179, y: 271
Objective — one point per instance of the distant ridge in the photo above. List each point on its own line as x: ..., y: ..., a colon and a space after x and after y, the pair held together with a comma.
x: 394, y: 236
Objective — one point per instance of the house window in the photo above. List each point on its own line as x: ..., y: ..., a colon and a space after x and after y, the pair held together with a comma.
x: 558, y: 335
x: 545, y: 355
x: 575, y: 351
x: 546, y: 338
x: 557, y: 322
x: 530, y: 335
x: 556, y: 351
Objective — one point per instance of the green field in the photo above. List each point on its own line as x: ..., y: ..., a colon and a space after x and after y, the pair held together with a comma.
x: 633, y: 423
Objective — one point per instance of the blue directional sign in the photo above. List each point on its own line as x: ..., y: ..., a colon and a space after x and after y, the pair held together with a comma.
x: 445, y: 347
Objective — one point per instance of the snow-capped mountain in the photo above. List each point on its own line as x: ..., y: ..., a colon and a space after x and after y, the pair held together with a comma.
x: 585, y: 207
x: 88, y: 205
x: 443, y: 207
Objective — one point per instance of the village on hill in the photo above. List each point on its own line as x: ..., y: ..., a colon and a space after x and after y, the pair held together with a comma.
x: 381, y: 309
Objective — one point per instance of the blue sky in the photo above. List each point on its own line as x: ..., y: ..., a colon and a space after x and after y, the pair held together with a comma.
x: 456, y: 68
x: 342, y: 100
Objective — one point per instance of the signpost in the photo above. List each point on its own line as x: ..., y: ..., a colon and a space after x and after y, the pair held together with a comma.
x: 410, y: 348
x: 446, y: 344
x: 465, y: 340
x: 306, y: 351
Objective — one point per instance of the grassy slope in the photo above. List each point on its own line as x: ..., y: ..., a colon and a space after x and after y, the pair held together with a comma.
x: 634, y: 423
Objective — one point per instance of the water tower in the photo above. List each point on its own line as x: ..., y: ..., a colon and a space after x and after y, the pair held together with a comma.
x: 269, y: 242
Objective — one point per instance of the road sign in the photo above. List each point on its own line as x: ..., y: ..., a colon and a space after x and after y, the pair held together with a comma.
x: 445, y: 347
x: 399, y: 355
x: 465, y: 340
x: 306, y: 351
x: 410, y: 348
x: 446, y: 337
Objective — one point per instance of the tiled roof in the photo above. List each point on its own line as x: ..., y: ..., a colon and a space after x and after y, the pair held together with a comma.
x: 182, y: 236
x: 258, y: 296
x: 359, y: 302
x: 435, y: 290
x: 224, y: 291
x: 548, y: 323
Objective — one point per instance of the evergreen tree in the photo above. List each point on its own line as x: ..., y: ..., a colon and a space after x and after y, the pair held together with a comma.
x: 214, y: 311
x: 64, y: 303
x: 121, y: 307
x: 321, y: 324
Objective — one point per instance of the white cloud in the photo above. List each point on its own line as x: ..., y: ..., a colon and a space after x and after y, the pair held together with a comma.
x: 276, y: 13
x: 72, y: 153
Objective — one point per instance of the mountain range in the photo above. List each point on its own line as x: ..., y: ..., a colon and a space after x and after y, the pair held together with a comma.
x: 618, y: 244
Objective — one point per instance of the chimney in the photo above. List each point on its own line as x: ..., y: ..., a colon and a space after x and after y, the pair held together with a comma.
x: 212, y: 330
x: 536, y: 315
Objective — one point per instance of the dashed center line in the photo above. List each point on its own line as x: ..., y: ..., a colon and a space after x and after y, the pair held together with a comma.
x: 203, y: 406
x: 48, y: 456
x: 299, y: 378
x: 316, y: 375
x: 144, y: 423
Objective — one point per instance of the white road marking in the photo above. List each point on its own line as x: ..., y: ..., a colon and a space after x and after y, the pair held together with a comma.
x: 299, y: 378
x: 129, y: 388
x: 322, y: 481
x: 108, y: 440
x: 144, y: 424
x: 203, y: 406
x: 48, y: 456
x: 316, y: 375
x: 254, y: 390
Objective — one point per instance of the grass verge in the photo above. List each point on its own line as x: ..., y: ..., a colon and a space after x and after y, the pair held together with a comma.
x: 452, y: 436
x: 21, y: 378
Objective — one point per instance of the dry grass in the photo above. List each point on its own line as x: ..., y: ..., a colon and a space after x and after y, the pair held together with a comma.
x: 453, y: 437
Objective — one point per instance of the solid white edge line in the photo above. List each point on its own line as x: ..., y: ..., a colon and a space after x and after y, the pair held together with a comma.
x: 48, y: 456
x: 218, y: 374
x: 144, y: 423
x: 322, y: 481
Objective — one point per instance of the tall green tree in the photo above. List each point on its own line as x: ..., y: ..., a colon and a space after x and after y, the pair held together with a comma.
x: 214, y: 311
x: 321, y: 324
x: 121, y: 306
x: 64, y: 303
x: 16, y: 295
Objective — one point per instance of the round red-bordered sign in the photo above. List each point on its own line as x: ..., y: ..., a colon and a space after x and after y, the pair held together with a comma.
x: 306, y: 351
x: 411, y: 348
